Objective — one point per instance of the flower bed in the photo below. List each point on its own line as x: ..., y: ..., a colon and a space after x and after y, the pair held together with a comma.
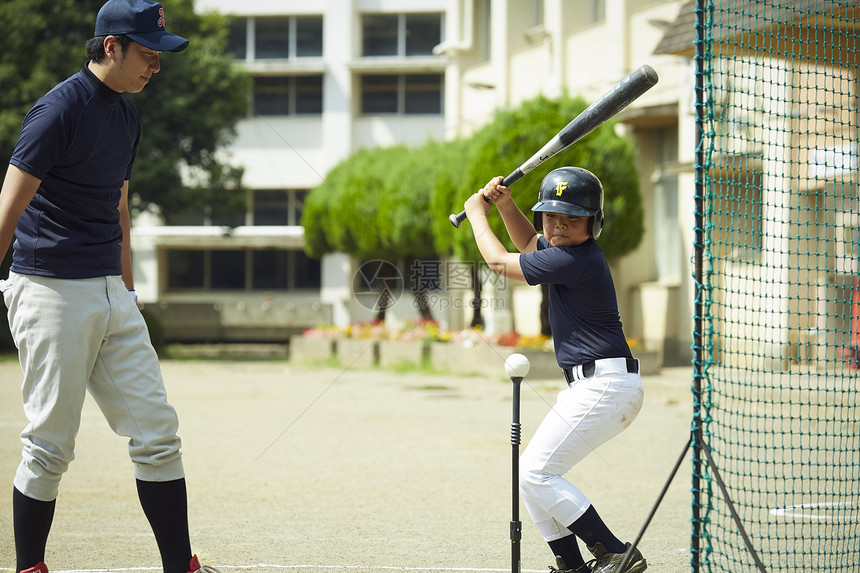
x: 311, y: 349
x: 423, y: 343
x: 404, y: 353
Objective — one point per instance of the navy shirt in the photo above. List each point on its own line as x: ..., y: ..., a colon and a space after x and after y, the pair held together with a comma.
x: 583, y: 310
x: 80, y: 139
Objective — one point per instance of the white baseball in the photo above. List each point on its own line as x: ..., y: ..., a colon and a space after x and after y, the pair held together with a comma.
x: 517, y: 365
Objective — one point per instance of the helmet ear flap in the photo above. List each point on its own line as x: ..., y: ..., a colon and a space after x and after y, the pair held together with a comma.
x: 595, y: 224
x: 537, y: 219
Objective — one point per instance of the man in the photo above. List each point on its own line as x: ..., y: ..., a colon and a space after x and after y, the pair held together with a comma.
x: 70, y: 291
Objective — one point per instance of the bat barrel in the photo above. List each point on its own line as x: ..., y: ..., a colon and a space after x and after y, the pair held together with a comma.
x: 630, y: 88
x: 649, y: 74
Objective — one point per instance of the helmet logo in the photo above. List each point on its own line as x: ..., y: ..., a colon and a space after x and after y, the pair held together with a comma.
x: 560, y: 187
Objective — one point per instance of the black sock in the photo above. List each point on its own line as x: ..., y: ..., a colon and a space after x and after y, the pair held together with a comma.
x: 32, y: 523
x: 591, y: 529
x: 166, y: 507
x: 568, y: 549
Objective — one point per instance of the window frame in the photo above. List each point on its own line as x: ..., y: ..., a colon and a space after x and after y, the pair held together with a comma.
x: 294, y: 50
x: 290, y: 100
x: 402, y: 35
x: 401, y: 95
x: 296, y: 261
x: 295, y: 199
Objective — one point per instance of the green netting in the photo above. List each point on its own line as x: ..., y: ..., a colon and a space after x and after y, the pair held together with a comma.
x: 778, y: 285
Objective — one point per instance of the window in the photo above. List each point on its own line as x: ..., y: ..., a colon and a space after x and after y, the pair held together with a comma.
x: 280, y: 37
x: 379, y: 94
x: 537, y: 12
x: 272, y: 38
x: 198, y: 215
x: 270, y: 270
x: 401, y: 93
x: 401, y: 34
x: 309, y: 36
x: 288, y: 95
x: 308, y: 95
x: 225, y: 216
x: 423, y: 33
x: 484, y: 15
x: 185, y: 269
x: 237, y: 44
x: 241, y: 270
x: 307, y: 271
x: 423, y: 93
x: 667, y: 231
x: 273, y: 207
x: 297, y: 208
x: 272, y: 96
x: 597, y: 11
x: 379, y: 34
x: 227, y: 270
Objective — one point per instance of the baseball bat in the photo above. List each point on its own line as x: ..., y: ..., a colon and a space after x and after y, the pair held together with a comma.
x: 595, y: 115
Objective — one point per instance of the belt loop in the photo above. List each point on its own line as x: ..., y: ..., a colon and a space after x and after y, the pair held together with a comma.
x: 588, y: 369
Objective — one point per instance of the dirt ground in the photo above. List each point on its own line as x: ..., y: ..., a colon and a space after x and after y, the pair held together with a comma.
x: 309, y: 468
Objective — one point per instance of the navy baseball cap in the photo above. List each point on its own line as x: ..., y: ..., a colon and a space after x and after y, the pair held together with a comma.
x: 140, y: 20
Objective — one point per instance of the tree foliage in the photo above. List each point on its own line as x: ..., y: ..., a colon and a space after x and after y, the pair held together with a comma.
x: 514, y: 136
x: 42, y: 43
x: 377, y: 202
x: 341, y: 213
x: 188, y: 111
x: 404, y: 208
x: 394, y: 202
x: 452, y: 161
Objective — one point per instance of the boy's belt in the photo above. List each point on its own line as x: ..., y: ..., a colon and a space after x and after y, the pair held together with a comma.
x: 602, y: 366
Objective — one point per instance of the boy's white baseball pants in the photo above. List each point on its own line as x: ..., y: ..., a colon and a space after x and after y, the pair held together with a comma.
x: 587, y: 414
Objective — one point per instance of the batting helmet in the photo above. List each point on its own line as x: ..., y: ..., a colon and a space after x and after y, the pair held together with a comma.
x: 571, y: 191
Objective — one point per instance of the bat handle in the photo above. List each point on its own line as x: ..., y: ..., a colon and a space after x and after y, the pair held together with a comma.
x: 457, y: 220
x: 515, y: 176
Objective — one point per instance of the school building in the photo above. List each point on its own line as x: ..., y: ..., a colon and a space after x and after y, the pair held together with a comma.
x: 334, y: 76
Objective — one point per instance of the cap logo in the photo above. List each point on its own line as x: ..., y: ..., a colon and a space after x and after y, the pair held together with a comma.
x: 560, y: 187
x: 161, y: 18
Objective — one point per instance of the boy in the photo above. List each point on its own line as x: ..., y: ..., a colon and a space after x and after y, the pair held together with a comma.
x: 604, y: 391
x: 70, y: 291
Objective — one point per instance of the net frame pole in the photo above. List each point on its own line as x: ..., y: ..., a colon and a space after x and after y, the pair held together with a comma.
x: 697, y: 442
x: 695, y: 535
x: 628, y: 555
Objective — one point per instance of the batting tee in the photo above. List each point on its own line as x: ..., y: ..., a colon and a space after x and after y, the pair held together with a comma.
x: 777, y: 340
